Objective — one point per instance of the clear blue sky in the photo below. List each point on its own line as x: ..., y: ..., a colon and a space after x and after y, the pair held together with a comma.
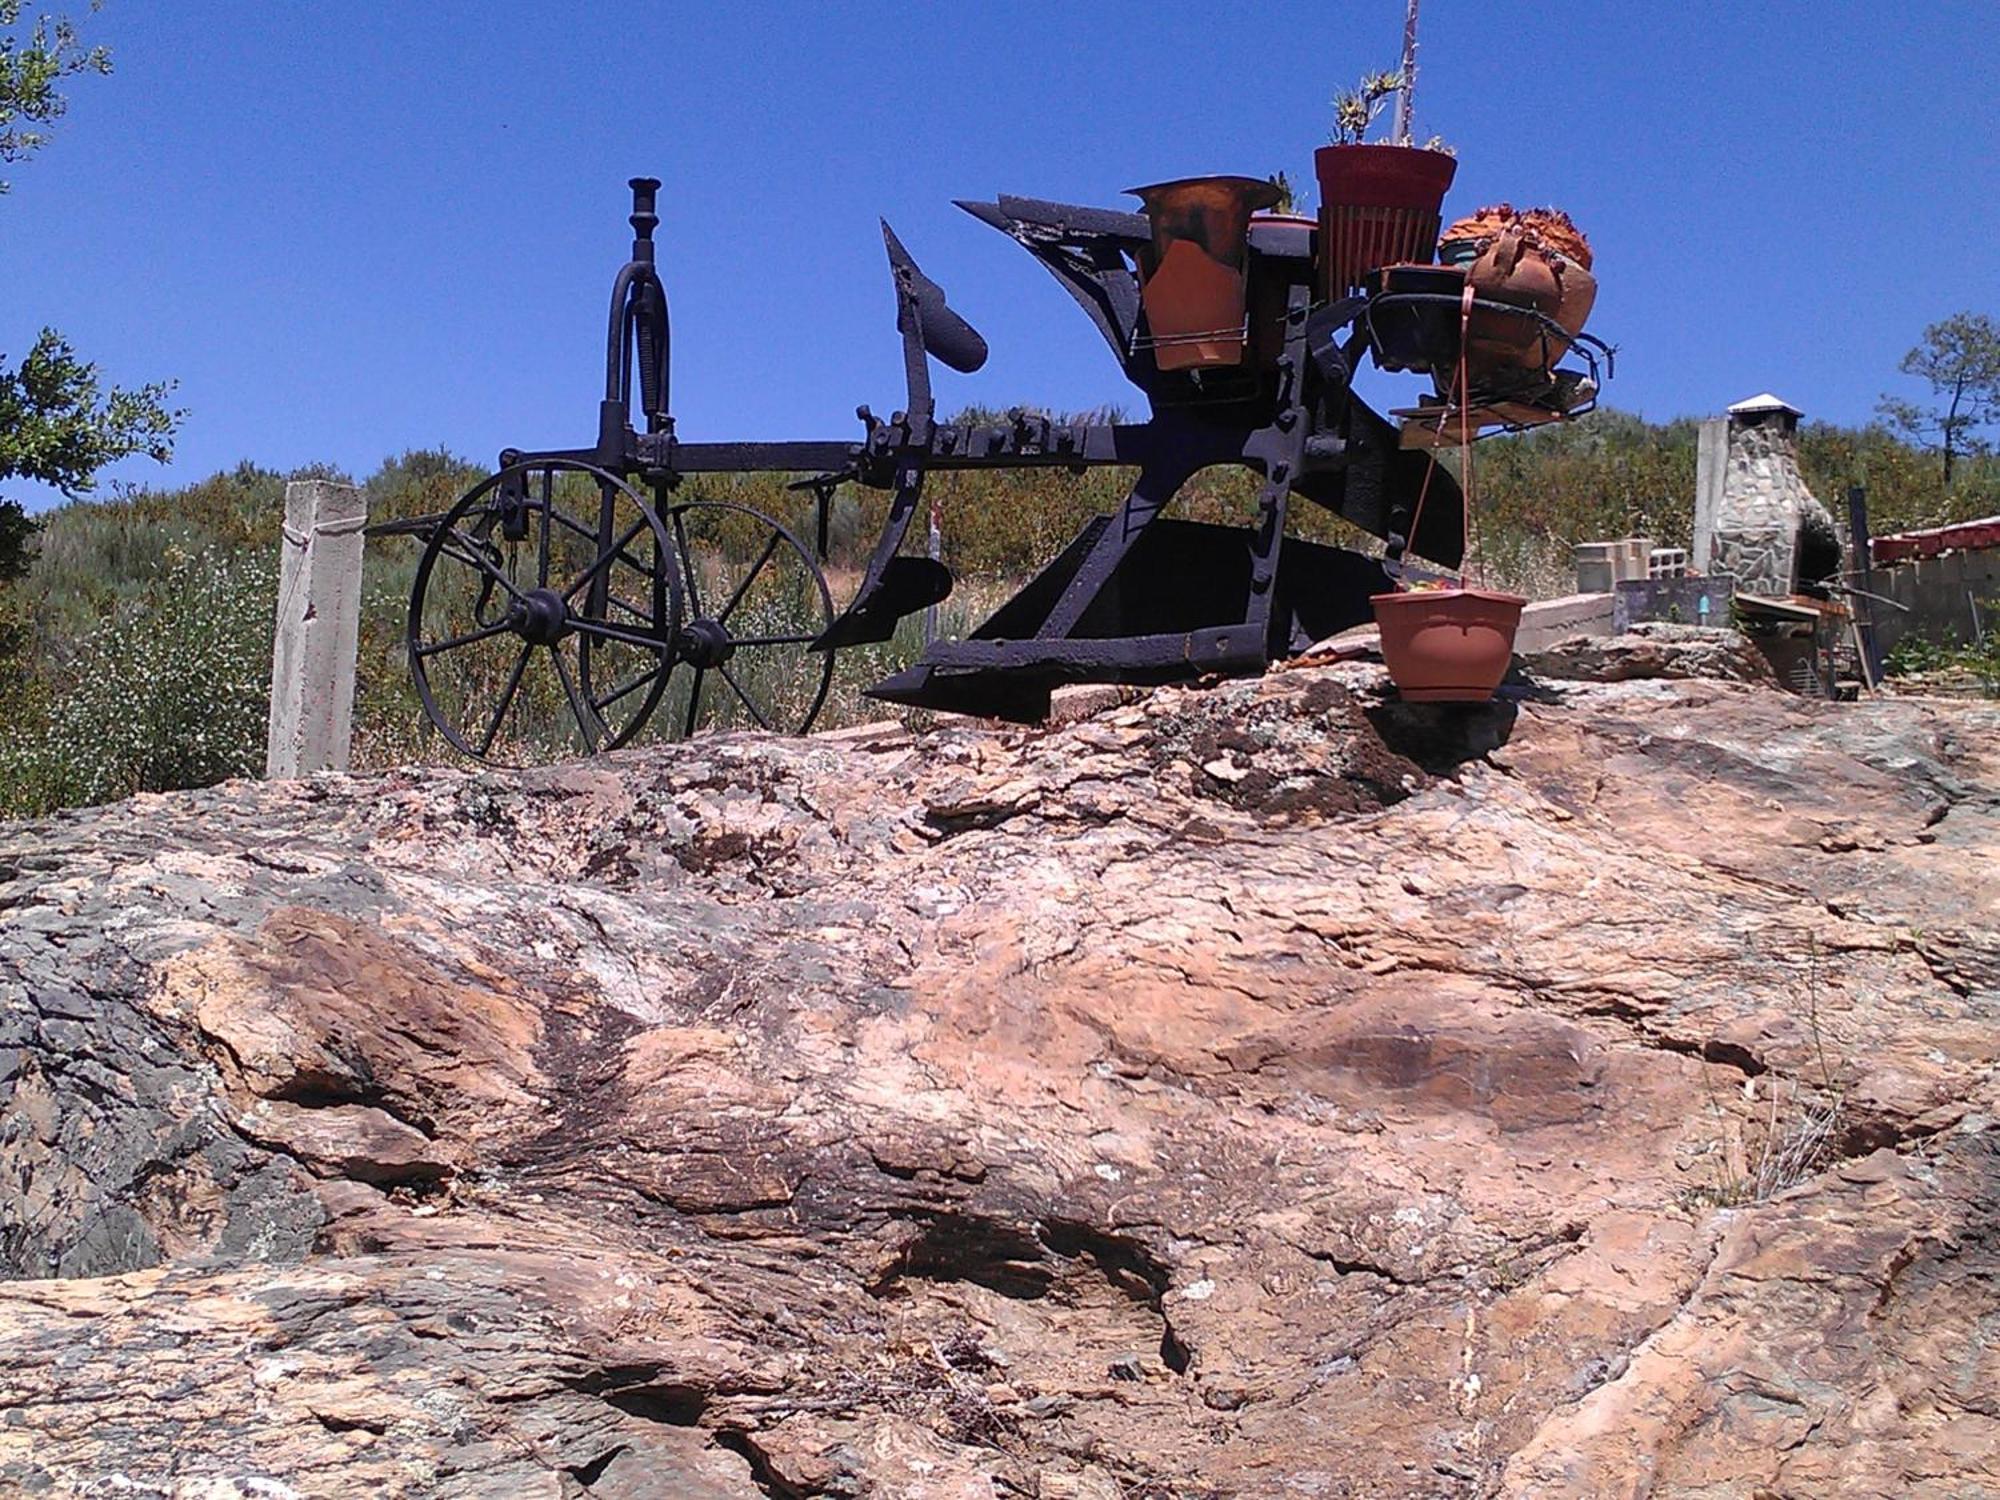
x: 353, y: 229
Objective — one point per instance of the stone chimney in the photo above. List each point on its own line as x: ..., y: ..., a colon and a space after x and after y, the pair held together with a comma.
x: 1765, y: 529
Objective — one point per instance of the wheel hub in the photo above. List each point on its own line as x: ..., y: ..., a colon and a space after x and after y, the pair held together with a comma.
x: 541, y: 617
x: 706, y: 643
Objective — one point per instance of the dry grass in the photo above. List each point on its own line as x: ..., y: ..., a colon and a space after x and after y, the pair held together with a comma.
x: 1800, y: 1122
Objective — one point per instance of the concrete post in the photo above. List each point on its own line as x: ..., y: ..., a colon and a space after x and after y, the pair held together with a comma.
x: 1711, y: 464
x: 319, y: 624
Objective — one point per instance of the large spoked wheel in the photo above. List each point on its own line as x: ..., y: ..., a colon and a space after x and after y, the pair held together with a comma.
x: 755, y: 601
x: 544, y: 615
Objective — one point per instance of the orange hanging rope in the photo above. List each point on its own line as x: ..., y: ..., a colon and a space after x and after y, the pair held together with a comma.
x: 1465, y: 433
x: 1463, y: 381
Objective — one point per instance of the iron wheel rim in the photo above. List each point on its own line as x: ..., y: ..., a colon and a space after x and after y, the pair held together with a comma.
x: 534, y: 627
x: 696, y: 643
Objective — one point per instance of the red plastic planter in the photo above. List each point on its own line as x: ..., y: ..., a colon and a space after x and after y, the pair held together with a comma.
x: 1448, y: 645
x: 1381, y: 206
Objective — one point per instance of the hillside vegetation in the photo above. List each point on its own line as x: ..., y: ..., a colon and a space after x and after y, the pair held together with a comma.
x: 134, y: 654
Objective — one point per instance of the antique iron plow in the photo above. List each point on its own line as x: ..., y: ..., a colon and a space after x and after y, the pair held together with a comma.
x: 597, y: 578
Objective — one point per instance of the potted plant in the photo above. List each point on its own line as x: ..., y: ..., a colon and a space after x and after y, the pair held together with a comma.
x: 1535, y: 258
x: 1193, y: 283
x: 1445, y: 643
x: 1380, y: 204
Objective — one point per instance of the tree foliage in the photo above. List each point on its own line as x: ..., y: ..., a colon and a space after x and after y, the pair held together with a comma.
x: 1959, y: 359
x: 59, y: 424
x: 32, y: 65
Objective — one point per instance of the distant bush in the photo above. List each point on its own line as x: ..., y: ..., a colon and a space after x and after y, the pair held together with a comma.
x: 170, y: 690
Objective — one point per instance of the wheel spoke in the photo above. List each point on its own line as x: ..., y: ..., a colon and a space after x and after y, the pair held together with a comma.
x: 577, y: 526
x: 755, y: 713
x: 486, y: 632
x: 479, y: 562
x: 694, y: 705
x: 600, y: 704
x: 688, y: 569
x: 631, y: 609
x: 576, y: 705
x: 548, y: 509
x: 750, y: 577
x: 506, y: 698
x: 605, y: 557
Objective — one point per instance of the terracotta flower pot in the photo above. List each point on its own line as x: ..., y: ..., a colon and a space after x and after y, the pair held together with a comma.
x: 1193, y: 281
x: 1579, y: 295
x: 1511, y: 272
x: 1448, y: 645
x: 1381, y: 206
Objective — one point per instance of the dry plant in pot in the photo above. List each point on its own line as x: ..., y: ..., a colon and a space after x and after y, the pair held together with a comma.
x: 1533, y: 257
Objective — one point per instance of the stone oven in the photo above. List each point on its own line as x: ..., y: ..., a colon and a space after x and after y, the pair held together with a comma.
x: 1770, y: 534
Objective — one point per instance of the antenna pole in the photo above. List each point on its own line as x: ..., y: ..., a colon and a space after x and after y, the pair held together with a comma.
x: 1403, y: 97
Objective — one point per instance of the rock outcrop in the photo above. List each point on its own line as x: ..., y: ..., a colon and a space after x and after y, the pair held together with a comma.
x: 1260, y: 1091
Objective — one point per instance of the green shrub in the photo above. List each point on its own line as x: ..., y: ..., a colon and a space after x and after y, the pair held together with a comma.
x: 171, y: 690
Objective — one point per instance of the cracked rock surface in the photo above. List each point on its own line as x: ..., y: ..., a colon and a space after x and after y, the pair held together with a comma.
x: 1260, y: 1091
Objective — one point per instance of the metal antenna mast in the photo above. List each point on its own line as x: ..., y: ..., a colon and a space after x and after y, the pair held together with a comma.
x: 1403, y: 98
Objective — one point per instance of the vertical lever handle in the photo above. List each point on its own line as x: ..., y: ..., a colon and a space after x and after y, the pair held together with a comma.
x: 645, y: 215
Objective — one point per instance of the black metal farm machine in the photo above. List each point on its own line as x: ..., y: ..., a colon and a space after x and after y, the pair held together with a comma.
x: 602, y: 577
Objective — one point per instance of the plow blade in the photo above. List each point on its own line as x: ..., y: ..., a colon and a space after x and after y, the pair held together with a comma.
x: 1179, y: 606
x: 906, y: 585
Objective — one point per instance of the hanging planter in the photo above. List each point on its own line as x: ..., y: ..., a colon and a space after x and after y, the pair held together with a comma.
x: 1451, y: 644
x: 1448, y: 645
x: 1535, y: 258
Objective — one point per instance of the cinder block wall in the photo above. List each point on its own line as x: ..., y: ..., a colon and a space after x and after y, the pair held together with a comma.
x: 1937, y: 593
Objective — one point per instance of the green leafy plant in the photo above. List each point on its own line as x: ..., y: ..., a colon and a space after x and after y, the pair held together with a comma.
x: 1355, y: 109
x: 58, y: 425
x: 30, y: 68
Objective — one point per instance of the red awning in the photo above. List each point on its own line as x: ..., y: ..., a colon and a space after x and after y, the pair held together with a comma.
x: 1907, y: 546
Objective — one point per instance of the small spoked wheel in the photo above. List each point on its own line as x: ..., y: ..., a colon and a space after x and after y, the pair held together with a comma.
x: 755, y: 601
x: 544, y: 615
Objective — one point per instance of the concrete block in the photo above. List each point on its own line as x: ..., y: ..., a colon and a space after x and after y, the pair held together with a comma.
x: 1547, y: 621
x: 1711, y: 465
x: 1596, y: 567
x: 318, y: 627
